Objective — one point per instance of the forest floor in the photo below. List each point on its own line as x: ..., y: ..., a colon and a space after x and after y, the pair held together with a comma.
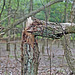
x: 9, y: 66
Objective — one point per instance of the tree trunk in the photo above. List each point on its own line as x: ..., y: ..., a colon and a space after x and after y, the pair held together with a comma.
x: 68, y: 54
x: 73, y: 12
x: 30, y: 56
x: 65, y: 11
x: 2, y: 8
x: 8, y: 34
x: 31, y: 6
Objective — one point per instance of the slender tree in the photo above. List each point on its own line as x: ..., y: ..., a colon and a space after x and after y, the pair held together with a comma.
x: 31, y: 6
x: 2, y: 8
x: 9, y: 19
x: 65, y: 11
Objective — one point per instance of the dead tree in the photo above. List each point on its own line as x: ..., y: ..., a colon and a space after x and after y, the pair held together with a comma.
x: 29, y: 46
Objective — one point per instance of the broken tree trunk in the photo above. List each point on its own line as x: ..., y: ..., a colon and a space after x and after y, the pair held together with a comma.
x: 51, y: 30
x: 29, y: 59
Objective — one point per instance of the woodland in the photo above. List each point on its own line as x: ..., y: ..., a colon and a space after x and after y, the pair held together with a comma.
x: 37, y: 37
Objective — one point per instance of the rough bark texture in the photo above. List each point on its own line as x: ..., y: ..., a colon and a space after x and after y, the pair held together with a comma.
x: 53, y: 29
x: 68, y: 54
x: 73, y: 12
x: 38, y: 29
x: 29, y: 59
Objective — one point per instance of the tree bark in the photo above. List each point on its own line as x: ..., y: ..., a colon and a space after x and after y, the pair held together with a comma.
x: 68, y: 54
x: 8, y: 34
x: 73, y: 12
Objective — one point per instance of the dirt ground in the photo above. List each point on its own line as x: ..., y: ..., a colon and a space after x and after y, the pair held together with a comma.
x: 9, y: 66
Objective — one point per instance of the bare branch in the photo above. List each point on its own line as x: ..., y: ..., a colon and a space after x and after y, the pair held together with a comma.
x: 6, y: 18
x: 31, y: 13
x: 2, y: 8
